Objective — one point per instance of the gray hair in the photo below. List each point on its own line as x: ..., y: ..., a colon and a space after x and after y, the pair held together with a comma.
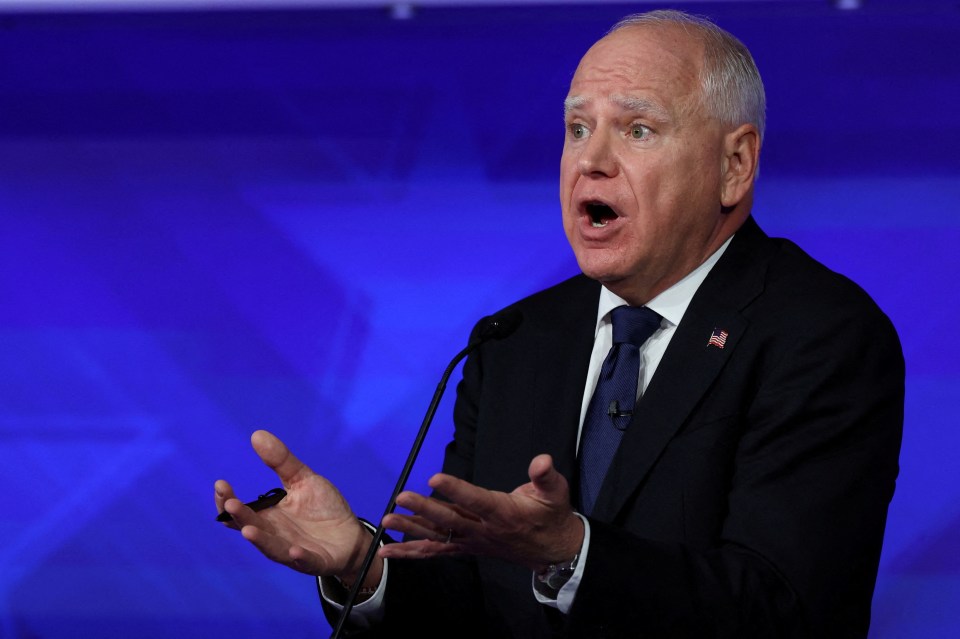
x: 730, y: 81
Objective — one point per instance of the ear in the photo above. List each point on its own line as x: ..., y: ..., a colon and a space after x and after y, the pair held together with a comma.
x: 741, y: 158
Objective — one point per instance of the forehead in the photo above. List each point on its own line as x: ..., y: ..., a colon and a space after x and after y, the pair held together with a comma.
x: 660, y: 63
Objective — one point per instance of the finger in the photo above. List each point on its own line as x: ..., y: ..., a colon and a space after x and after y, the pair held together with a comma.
x: 282, y: 551
x: 277, y: 456
x: 419, y: 549
x: 222, y: 491
x: 480, y: 502
x: 415, y: 527
x: 434, y: 519
x: 443, y: 514
x: 243, y: 515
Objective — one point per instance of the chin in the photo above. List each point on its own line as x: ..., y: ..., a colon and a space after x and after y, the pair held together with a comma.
x: 605, y: 275
x: 599, y: 264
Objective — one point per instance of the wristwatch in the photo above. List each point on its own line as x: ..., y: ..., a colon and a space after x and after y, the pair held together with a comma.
x: 555, y: 576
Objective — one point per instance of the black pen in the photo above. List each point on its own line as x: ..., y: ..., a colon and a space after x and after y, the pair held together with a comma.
x: 265, y: 500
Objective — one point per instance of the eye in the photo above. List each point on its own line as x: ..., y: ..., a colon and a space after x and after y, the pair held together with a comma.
x: 578, y: 131
x: 639, y: 131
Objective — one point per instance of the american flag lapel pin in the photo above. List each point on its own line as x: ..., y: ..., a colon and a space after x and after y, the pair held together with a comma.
x: 718, y: 338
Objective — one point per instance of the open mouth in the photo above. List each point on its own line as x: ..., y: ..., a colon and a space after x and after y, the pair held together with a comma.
x: 600, y: 214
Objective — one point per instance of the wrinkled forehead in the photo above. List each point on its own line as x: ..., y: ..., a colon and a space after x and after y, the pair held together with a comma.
x: 626, y: 103
x: 666, y: 59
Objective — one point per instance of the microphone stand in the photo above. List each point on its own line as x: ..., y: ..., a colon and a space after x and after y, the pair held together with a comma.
x: 401, y: 482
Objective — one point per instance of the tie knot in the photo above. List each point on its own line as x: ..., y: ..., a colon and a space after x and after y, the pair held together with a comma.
x: 634, y: 324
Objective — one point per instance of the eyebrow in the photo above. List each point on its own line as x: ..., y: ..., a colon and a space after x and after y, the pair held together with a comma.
x: 573, y: 102
x: 628, y: 103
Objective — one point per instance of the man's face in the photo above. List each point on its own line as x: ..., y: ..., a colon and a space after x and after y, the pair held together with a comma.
x: 641, y: 165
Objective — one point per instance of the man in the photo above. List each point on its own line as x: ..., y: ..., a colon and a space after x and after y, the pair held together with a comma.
x: 748, y: 494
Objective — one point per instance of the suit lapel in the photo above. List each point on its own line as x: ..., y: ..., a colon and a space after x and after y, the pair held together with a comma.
x: 689, y: 365
x: 563, y: 348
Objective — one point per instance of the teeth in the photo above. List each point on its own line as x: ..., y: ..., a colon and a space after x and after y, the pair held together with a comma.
x: 600, y: 214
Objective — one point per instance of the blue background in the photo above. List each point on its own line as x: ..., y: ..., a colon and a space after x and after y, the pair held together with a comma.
x: 217, y: 222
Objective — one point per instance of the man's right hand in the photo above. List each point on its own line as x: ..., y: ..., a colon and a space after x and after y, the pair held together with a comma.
x: 312, y: 530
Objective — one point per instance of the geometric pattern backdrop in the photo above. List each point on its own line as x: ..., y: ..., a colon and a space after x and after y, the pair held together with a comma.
x: 217, y: 222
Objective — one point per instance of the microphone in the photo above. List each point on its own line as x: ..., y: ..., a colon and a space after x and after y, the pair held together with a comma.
x: 614, y: 412
x: 499, y: 326
x: 495, y: 326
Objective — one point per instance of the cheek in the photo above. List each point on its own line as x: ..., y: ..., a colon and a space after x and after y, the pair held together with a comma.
x: 568, y: 173
x: 654, y: 196
x: 568, y: 180
x: 662, y: 188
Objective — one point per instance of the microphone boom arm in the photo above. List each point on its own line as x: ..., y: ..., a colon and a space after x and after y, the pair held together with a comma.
x: 498, y: 326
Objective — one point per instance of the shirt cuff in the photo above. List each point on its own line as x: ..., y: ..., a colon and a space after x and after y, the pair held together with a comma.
x: 363, y: 614
x: 564, y: 599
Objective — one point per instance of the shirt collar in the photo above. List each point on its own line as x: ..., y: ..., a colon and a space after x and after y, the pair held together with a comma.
x: 672, y: 303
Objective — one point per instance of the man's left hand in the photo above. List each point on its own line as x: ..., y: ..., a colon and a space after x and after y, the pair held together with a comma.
x: 533, y: 526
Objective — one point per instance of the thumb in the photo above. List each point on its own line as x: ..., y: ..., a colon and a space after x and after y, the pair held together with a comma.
x: 277, y: 456
x: 547, y: 479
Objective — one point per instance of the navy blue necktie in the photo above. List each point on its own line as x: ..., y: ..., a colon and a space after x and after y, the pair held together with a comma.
x: 611, y: 406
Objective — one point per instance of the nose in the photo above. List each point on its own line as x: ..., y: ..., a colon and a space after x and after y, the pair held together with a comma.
x: 597, y: 158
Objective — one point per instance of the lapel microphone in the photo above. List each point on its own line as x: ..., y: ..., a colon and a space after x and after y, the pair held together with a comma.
x: 495, y: 326
x: 614, y: 412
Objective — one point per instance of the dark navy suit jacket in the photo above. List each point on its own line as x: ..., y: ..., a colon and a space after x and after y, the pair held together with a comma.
x: 750, y: 492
